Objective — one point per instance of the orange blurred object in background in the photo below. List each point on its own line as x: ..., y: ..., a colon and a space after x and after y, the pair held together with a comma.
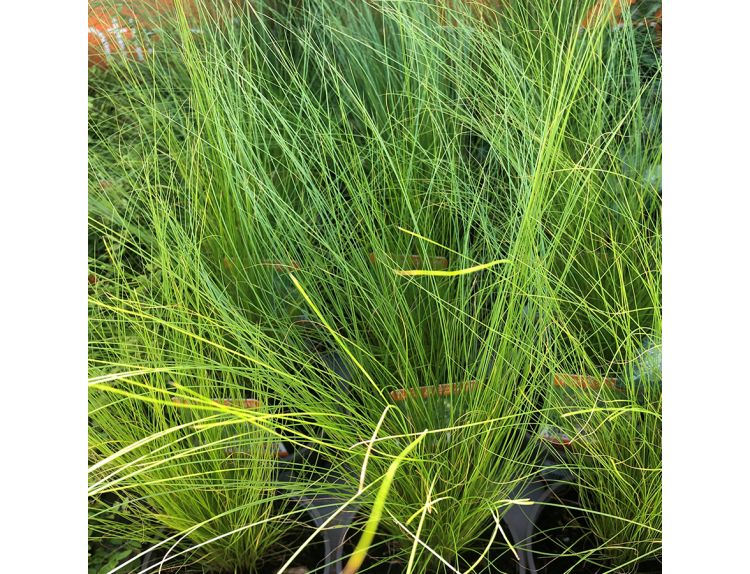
x: 110, y: 31
x: 111, y: 28
x: 601, y: 8
x: 112, y: 25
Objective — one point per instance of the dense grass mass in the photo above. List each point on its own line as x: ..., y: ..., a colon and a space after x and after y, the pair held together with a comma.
x: 336, y: 208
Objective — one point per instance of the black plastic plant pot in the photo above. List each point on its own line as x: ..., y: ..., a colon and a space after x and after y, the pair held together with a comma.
x: 325, y: 512
x: 316, y: 556
x: 553, y: 535
x: 328, y: 508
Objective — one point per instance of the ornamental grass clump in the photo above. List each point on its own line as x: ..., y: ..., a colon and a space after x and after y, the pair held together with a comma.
x: 614, y: 460
x: 381, y: 221
x: 180, y: 422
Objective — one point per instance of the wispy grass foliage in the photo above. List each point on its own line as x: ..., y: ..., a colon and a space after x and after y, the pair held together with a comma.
x: 319, y: 204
